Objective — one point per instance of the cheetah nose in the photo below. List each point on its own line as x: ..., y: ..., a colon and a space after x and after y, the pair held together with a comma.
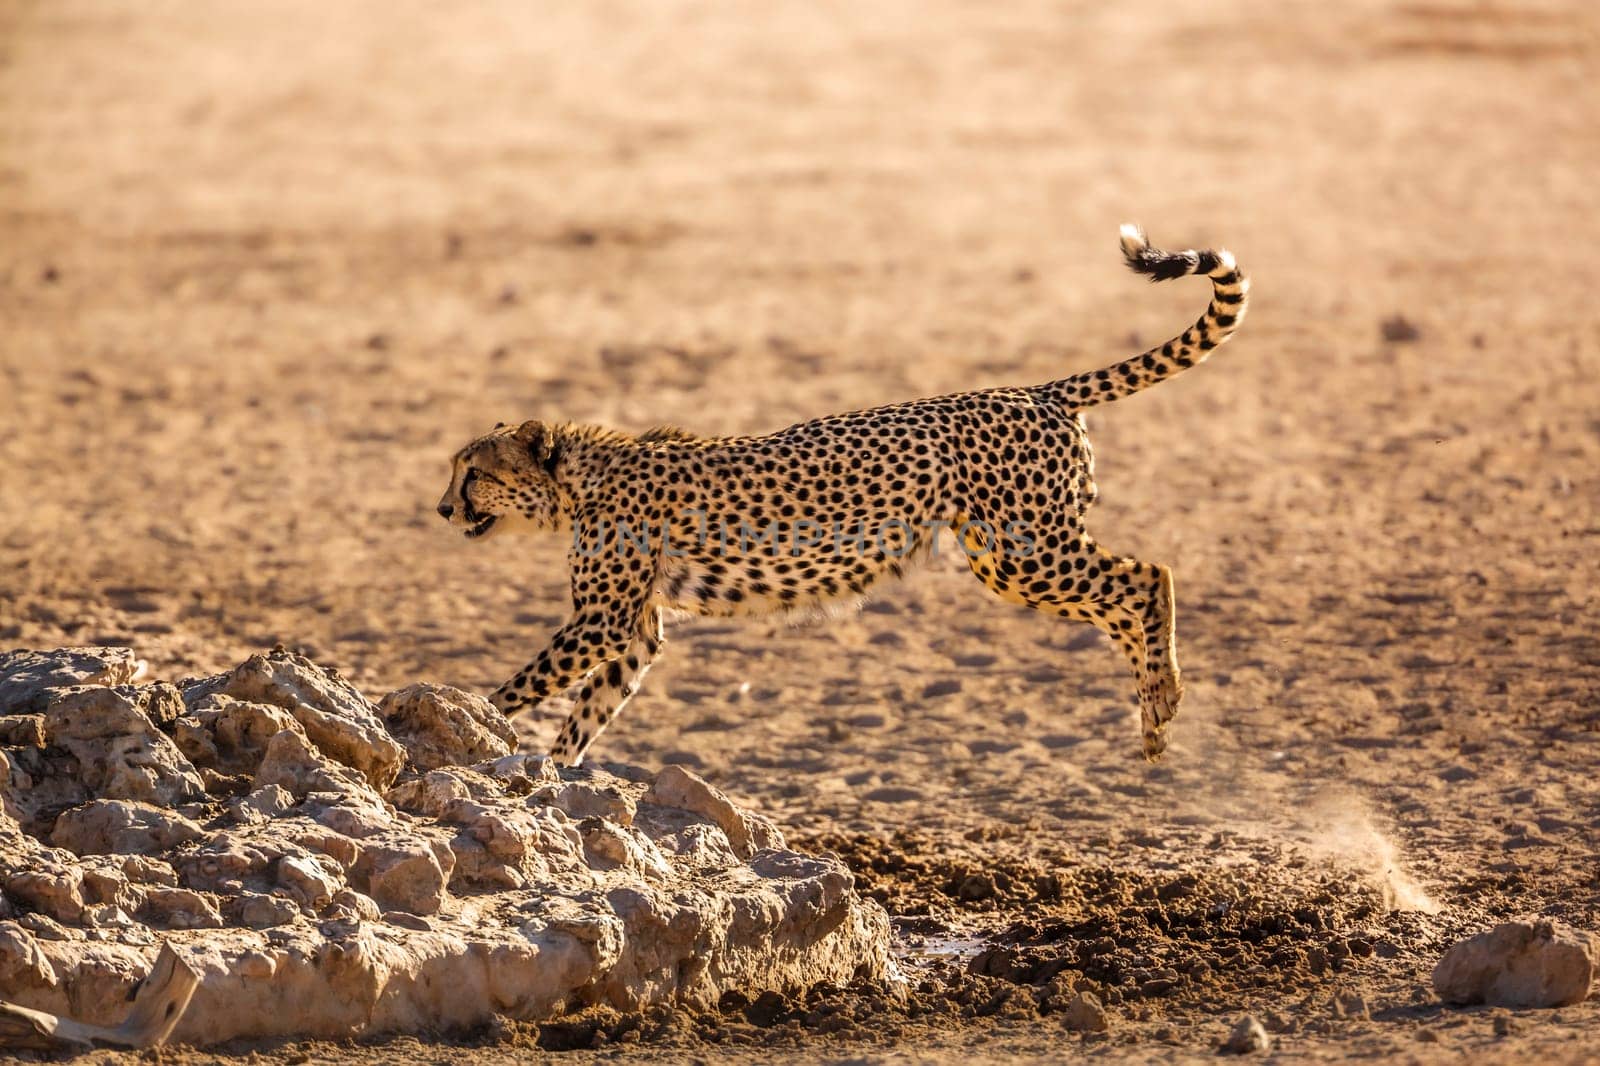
x: 445, y: 510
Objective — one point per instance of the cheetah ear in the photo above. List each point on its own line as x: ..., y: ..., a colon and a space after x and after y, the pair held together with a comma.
x: 541, y: 443
x: 499, y: 425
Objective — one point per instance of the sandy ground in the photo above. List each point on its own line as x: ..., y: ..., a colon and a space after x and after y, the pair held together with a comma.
x: 264, y: 266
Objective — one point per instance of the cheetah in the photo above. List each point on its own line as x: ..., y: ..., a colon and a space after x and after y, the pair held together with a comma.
x: 667, y: 522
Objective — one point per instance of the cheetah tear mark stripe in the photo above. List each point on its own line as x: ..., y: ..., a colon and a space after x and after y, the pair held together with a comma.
x: 1229, y: 293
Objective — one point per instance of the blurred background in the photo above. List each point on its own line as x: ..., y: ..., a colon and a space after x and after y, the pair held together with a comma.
x: 266, y: 265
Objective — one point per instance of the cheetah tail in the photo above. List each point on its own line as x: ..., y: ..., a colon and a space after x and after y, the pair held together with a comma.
x: 1229, y: 290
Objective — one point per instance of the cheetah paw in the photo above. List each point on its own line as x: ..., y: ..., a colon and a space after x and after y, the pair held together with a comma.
x: 1158, y: 705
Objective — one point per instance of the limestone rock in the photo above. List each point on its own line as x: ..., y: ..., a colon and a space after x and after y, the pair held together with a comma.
x: 432, y: 794
x: 313, y: 903
x: 1248, y: 1037
x: 23, y: 963
x: 28, y: 678
x: 747, y: 833
x: 54, y: 889
x: 307, y: 882
x: 586, y: 799
x: 1085, y: 1014
x: 1525, y: 963
x: 180, y: 908
x: 339, y: 720
x: 120, y: 752
x: 230, y: 736
x: 122, y: 827
x: 294, y: 765
x: 22, y: 731
x: 37, y: 784
x: 444, y: 726
x: 402, y: 873
x: 261, y: 805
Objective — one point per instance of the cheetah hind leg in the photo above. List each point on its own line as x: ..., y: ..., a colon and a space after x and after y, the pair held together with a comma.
x: 1162, y: 688
x: 1125, y: 586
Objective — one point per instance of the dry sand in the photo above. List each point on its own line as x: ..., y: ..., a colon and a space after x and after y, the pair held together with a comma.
x: 264, y: 267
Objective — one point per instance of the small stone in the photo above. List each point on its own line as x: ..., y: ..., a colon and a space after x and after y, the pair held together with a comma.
x: 256, y: 911
x: 401, y: 874
x: 1525, y: 963
x: 180, y: 908
x: 748, y: 833
x: 1085, y: 1014
x: 22, y: 731
x: 1398, y: 329
x: 307, y: 882
x: 1249, y: 1037
x: 261, y: 805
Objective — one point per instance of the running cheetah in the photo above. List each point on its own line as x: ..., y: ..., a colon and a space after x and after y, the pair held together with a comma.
x: 666, y: 521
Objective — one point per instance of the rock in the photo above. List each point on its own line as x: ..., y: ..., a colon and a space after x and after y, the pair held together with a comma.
x: 54, y: 889
x: 1085, y: 1014
x: 120, y: 752
x: 340, y: 721
x: 432, y: 794
x: 352, y: 815
x: 1248, y: 1037
x: 28, y: 679
x: 122, y: 827
x: 1525, y: 963
x: 180, y: 908
x: 23, y: 963
x: 141, y: 870
x: 1398, y: 329
x: 444, y: 726
x: 261, y: 805
x: 676, y: 787
x: 585, y: 799
x: 294, y: 765
x: 230, y: 736
x: 22, y: 731
x: 256, y: 911
x: 507, y: 845
x: 402, y: 874
x: 36, y: 784
x: 312, y: 907
x: 307, y: 882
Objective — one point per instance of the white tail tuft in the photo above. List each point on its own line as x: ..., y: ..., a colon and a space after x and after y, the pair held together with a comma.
x: 1134, y: 241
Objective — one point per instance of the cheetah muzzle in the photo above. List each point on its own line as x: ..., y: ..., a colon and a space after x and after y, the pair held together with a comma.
x: 666, y: 521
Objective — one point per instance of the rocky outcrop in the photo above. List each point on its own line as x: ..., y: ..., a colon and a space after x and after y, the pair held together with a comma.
x: 268, y: 825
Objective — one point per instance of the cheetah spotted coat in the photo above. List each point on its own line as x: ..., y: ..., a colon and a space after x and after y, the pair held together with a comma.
x: 666, y: 521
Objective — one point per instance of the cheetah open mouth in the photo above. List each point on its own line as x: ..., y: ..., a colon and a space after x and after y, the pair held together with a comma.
x: 482, y: 527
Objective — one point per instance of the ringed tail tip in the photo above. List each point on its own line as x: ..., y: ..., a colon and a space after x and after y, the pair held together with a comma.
x: 1134, y: 242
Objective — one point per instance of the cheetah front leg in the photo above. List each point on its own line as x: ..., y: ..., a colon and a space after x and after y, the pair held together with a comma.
x: 583, y: 643
x: 606, y: 690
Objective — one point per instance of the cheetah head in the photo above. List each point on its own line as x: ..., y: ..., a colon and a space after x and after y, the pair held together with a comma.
x: 505, y: 480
